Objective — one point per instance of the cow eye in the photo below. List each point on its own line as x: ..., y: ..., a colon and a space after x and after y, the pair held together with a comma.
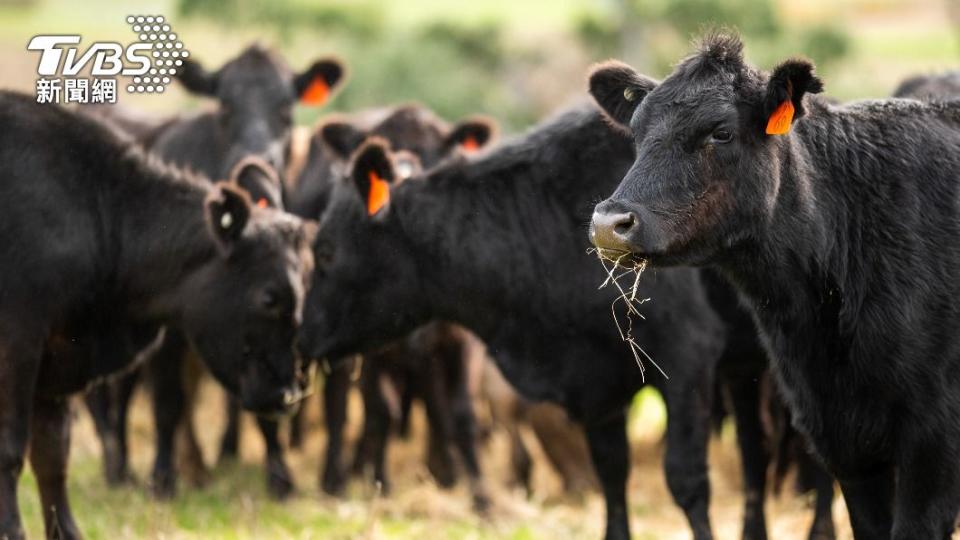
x: 269, y: 299
x: 721, y: 136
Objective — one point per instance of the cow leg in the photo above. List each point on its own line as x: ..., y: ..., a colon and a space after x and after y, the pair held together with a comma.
x: 230, y: 442
x: 336, y: 389
x: 189, y: 455
x: 165, y: 371
x: 685, y: 457
x: 109, y: 403
x: 610, y: 453
x: 868, y: 500
x: 464, y: 425
x: 822, y: 528
x: 296, y: 428
x: 279, y: 484
x: 432, y: 388
x: 124, y: 389
x: 564, y: 445
x: 520, y: 460
x: 19, y: 365
x: 49, y: 449
x: 754, y: 458
x: 927, y: 500
x: 376, y: 422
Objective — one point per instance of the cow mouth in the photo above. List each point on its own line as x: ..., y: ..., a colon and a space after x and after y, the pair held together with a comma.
x: 621, y: 257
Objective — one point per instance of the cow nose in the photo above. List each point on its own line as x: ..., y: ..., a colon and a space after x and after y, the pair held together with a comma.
x: 612, y: 231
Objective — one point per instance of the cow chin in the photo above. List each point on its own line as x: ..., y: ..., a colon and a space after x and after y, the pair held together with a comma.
x: 270, y: 401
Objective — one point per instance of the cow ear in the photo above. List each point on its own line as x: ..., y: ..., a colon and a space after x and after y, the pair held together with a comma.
x: 783, y: 104
x: 196, y: 79
x: 619, y: 89
x: 342, y: 137
x: 259, y: 180
x: 315, y: 85
x: 471, y: 134
x: 373, y: 173
x: 227, y: 211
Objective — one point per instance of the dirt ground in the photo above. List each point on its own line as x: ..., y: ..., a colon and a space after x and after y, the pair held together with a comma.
x: 235, y: 504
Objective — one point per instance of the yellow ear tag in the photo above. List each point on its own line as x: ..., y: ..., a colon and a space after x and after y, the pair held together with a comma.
x: 779, y: 123
x: 379, y: 194
x: 317, y: 93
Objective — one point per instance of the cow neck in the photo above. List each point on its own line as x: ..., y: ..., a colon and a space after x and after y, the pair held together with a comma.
x: 163, y: 236
x: 825, y: 252
x: 502, y: 240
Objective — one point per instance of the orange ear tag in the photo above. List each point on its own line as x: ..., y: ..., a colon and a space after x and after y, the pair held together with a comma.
x: 317, y: 93
x: 470, y: 144
x: 379, y: 194
x: 779, y: 123
x: 262, y: 202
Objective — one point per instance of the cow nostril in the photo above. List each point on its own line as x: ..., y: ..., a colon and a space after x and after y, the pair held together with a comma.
x: 625, y: 223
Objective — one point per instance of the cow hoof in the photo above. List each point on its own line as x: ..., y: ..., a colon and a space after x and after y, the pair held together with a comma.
x: 228, y: 449
x: 755, y: 532
x: 279, y: 484
x: 481, y: 503
x: 442, y: 471
x: 383, y: 486
x: 116, y: 477
x: 333, y: 481
x: 163, y: 486
x: 822, y: 531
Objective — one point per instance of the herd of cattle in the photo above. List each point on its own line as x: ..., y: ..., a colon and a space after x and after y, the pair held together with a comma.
x: 790, y: 241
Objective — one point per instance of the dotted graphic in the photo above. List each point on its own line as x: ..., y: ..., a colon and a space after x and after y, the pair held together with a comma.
x: 167, y: 53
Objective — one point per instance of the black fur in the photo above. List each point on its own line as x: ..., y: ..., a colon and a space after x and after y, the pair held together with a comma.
x: 497, y: 245
x: 842, y: 237
x: 102, y: 247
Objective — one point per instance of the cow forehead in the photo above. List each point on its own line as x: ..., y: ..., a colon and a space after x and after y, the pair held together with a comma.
x: 244, y: 76
x: 677, y: 103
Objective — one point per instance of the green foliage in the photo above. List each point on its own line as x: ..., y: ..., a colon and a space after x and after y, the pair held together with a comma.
x: 358, y: 19
x: 479, y: 43
x: 825, y: 44
x: 663, y: 28
x: 600, y: 34
x: 753, y: 17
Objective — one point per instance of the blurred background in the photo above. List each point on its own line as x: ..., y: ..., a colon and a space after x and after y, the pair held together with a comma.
x: 516, y: 61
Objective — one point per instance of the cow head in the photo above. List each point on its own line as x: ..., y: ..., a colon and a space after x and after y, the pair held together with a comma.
x: 243, y: 307
x: 413, y: 132
x: 707, y: 171
x: 415, y: 129
x: 367, y: 281
x: 256, y: 92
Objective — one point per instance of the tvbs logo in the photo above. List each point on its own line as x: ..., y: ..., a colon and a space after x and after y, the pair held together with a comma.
x: 149, y: 63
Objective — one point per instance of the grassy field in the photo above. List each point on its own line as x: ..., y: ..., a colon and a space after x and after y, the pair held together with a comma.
x: 235, y: 504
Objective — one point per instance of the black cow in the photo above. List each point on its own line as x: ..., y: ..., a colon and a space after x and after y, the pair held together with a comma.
x: 742, y: 370
x: 102, y: 247
x: 431, y: 363
x: 497, y: 244
x: 411, y: 128
x: 256, y: 93
x: 838, y: 225
x: 930, y: 87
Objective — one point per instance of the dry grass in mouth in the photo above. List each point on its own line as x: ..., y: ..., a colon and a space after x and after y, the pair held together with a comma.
x: 625, y: 263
